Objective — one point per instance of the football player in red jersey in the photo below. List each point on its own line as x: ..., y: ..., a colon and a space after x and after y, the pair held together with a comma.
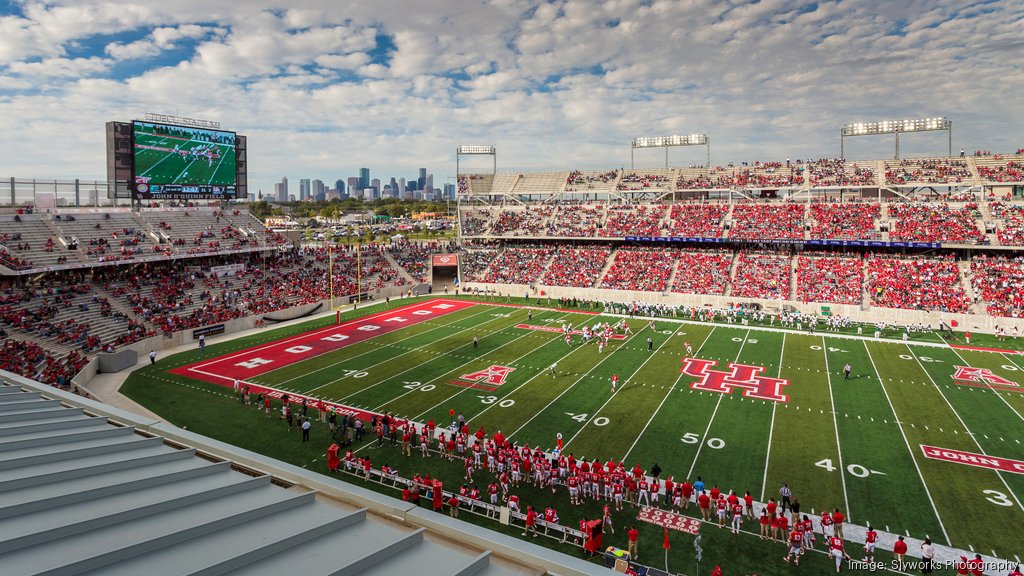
x: 796, y: 538
x: 870, y: 537
x: 835, y: 547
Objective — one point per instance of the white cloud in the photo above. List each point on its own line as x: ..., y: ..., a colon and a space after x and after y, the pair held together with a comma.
x: 559, y: 84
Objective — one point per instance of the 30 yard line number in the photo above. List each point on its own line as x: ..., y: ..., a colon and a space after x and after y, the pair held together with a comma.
x: 506, y: 403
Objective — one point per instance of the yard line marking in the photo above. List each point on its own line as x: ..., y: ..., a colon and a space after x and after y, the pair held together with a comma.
x: 913, y: 455
x: 578, y: 380
x: 771, y: 428
x: 658, y: 409
x: 393, y: 344
x: 961, y: 420
x: 711, y: 421
x: 835, y: 425
x: 626, y: 381
x: 455, y: 369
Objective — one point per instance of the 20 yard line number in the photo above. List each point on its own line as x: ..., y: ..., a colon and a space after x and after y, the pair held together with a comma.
x: 855, y: 470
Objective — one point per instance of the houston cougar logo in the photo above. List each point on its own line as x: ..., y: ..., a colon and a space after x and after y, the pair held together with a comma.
x: 741, y: 376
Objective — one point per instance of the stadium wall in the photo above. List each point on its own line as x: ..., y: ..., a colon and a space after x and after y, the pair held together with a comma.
x: 971, y: 322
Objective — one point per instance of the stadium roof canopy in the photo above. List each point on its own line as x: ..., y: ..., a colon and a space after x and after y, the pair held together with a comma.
x: 86, y: 488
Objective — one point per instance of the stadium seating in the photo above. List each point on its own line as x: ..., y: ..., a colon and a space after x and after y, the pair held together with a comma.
x: 833, y: 279
x: 838, y: 174
x: 999, y: 170
x: 629, y: 220
x: 1011, y: 229
x: 845, y: 221
x: 999, y: 281
x: 476, y: 222
x: 696, y: 220
x: 474, y: 263
x: 576, y: 267
x: 761, y: 276
x: 579, y: 180
x: 702, y: 272
x: 704, y: 179
x: 639, y: 269
x: 518, y: 266
x: 576, y: 220
x: 935, y: 222
x: 648, y: 180
x: 775, y: 220
x: 768, y: 175
x: 924, y: 171
x: 524, y: 221
x: 916, y: 284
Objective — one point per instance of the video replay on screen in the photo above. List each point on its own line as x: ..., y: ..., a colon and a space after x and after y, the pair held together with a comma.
x: 181, y: 162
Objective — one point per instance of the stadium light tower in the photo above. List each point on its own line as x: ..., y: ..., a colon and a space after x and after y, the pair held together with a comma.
x: 895, y: 127
x: 668, y: 141
x: 472, y: 150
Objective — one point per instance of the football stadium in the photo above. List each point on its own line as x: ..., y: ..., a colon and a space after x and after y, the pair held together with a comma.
x: 768, y: 366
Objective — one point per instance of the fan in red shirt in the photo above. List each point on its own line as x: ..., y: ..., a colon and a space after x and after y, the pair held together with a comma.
x: 765, y: 519
x: 453, y: 506
x: 704, y: 502
x: 687, y: 489
x: 633, y: 534
x: 899, y: 549
x: 977, y: 565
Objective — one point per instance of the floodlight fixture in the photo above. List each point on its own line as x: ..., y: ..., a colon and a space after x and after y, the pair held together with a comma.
x: 471, y: 149
x: 896, y: 127
x: 474, y: 150
x: 669, y: 141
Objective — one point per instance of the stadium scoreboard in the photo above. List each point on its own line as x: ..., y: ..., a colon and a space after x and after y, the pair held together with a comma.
x: 149, y: 161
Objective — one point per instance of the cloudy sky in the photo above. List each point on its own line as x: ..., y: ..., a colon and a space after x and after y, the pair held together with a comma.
x: 323, y: 87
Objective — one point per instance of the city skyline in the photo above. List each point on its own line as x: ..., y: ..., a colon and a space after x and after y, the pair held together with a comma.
x: 396, y: 187
x: 558, y: 85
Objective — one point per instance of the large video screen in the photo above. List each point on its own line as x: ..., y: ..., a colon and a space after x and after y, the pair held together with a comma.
x: 181, y: 162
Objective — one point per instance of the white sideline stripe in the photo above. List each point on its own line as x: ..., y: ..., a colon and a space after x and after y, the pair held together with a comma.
x: 913, y: 453
x: 835, y: 425
x: 791, y: 331
x: 771, y: 429
x: 711, y: 421
x: 624, y: 382
x: 573, y: 385
x: 391, y: 359
x: 307, y: 334
x: 969, y: 433
x: 670, y: 389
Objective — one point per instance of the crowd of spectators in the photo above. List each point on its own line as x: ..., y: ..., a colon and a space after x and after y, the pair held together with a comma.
x: 32, y: 361
x: 832, y: 279
x: 935, y: 222
x: 702, y: 272
x: 916, y: 284
x: 768, y: 221
x: 14, y: 262
x: 1009, y: 172
x: 413, y: 257
x: 768, y: 175
x: 761, y: 275
x: 477, y: 222
x: 578, y: 178
x: 577, y: 220
x: 837, y: 173
x: 697, y: 220
x: 518, y: 266
x: 576, y: 267
x: 473, y: 264
x: 845, y: 221
x: 528, y: 221
x: 930, y: 170
x: 642, y: 269
x: 717, y: 177
x: 999, y: 282
x: 1011, y: 233
x: 635, y: 181
x: 629, y: 220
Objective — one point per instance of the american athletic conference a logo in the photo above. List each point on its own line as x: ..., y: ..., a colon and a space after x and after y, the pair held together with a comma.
x: 488, y: 379
x: 982, y: 377
x: 742, y: 376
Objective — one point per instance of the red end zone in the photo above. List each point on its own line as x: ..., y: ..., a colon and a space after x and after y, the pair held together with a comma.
x: 264, y: 358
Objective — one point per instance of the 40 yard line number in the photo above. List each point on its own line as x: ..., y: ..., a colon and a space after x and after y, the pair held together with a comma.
x: 855, y: 470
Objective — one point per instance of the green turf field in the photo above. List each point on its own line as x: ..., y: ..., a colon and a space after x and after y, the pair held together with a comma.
x: 853, y: 444
x: 159, y: 157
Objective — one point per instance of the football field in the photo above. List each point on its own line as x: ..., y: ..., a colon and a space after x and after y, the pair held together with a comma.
x: 922, y: 439
x: 164, y: 159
